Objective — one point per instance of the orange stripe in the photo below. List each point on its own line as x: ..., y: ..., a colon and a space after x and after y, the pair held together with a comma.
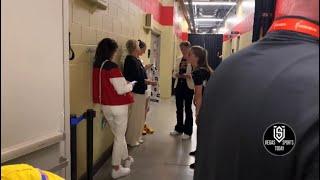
x: 296, y: 25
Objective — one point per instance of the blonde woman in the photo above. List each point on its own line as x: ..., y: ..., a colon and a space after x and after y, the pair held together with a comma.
x: 135, y: 71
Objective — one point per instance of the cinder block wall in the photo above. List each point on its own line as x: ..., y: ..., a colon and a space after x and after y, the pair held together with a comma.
x: 122, y: 20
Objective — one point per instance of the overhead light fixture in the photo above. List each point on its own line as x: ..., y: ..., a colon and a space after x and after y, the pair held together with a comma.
x: 233, y: 20
x: 214, y: 3
x: 223, y: 30
x: 208, y: 19
x: 248, y: 4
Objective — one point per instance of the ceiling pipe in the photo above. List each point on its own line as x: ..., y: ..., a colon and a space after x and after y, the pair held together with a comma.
x: 191, y: 16
x: 185, y: 14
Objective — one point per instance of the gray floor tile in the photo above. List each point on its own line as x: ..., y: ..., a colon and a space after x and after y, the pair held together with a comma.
x: 161, y: 157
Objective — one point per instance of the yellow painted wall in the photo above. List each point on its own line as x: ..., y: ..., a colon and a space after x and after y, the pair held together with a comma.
x: 226, y: 49
x: 166, y: 61
x: 246, y: 39
x: 121, y: 21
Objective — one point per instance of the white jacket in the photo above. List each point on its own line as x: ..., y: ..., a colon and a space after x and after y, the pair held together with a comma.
x: 190, y: 82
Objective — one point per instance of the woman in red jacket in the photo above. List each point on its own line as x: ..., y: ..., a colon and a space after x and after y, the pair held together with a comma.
x: 112, y: 91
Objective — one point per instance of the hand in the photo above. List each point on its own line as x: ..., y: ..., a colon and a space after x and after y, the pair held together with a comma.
x: 148, y: 66
x: 180, y: 76
x: 188, y: 76
x: 133, y: 83
x: 150, y: 82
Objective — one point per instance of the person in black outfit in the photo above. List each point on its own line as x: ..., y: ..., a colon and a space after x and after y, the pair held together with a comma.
x: 201, y: 74
x: 184, y: 94
x: 275, y: 80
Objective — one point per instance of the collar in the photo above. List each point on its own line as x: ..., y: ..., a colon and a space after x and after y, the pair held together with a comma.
x: 296, y: 24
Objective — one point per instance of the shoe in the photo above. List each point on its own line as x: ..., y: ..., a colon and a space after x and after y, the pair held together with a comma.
x: 175, y: 133
x: 148, y: 129
x: 193, y: 153
x: 128, y: 162
x: 185, y: 137
x: 141, y: 141
x: 122, y: 171
x: 144, y: 132
x: 192, y: 165
x: 134, y: 145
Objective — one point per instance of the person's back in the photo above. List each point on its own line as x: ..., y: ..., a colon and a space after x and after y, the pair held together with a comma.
x: 273, y: 81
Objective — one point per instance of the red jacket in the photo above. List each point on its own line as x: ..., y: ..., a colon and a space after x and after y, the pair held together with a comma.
x: 109, y: 93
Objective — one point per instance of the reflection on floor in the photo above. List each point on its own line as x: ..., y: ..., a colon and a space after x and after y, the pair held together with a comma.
x: 161, y: 157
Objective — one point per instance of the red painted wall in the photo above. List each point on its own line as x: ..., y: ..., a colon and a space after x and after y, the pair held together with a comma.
x: 162, y: 14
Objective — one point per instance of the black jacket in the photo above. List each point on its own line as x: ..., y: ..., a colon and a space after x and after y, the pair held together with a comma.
x: 134, y: 71
x: 273, y: 80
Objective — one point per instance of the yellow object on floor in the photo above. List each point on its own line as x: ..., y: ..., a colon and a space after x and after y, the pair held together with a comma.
x: 26, y: 172
x: 148, y: 130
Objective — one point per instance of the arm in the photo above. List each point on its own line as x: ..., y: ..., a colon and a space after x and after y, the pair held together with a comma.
x: 197, y: 98
x: 118, y: 82
x: 120, y: 85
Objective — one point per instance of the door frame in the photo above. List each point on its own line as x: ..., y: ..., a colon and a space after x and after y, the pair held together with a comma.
x: 158, y: 35
x: 65, y: 147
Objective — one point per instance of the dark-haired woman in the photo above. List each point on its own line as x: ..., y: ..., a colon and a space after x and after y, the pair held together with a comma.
x: 112, y: 91
x: 200, y: 75
x: 146, y: 129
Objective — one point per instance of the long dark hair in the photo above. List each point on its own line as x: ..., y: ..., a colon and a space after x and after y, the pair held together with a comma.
x: 202, y: 56
x: 105, y: 50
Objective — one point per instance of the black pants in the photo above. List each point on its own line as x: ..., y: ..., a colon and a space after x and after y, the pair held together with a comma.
x: 184, y: 97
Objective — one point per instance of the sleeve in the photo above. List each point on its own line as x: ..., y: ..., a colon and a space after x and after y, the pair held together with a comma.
x: 197, y: 78
x: 119, y: 83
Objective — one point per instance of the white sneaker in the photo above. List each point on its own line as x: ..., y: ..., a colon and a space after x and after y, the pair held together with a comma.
x: 185, y: 137
x: 175, y: 133
x: 141, y: 141
x: 134, y: 145
x: 122, y: 171
x: 128, y: 162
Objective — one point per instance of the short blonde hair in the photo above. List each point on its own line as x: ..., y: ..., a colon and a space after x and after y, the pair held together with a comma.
x: 131, y: 45
x: 185, y: 44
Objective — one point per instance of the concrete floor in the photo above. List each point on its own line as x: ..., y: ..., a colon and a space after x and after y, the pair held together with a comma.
x: 161, y: 157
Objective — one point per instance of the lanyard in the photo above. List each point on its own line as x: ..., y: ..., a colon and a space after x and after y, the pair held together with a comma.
x: 297, y: 25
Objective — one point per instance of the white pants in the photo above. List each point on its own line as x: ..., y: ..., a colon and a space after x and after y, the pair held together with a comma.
x: 117, y: 117
x: 136, y: 119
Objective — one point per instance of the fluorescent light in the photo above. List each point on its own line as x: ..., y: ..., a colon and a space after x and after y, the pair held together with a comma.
x: 233, y: 20
x: 214, y: 3
x: 208, y: 19
x: 223, y: 30
x: 248, y: 4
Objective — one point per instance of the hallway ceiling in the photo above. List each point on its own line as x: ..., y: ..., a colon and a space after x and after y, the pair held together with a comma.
x: 209, y: 15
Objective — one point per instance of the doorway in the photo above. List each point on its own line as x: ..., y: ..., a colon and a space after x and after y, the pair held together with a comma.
x: 212, y: 43
x: 155, y: 50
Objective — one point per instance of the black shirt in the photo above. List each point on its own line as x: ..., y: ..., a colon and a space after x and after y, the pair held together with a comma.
x: 200, y: 77
x: 134, y: 71
x: 273, y: 80
x: 182, y: 82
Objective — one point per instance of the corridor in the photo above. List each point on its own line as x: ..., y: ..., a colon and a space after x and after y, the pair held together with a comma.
x: 161, y: 157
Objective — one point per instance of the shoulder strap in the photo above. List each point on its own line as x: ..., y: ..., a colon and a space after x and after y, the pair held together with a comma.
x: 100, y: 81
